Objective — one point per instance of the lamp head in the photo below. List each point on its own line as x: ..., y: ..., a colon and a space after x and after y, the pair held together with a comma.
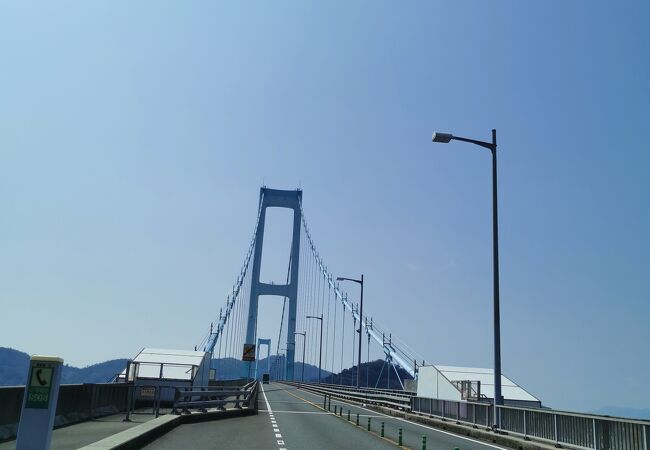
x: 442, y: 138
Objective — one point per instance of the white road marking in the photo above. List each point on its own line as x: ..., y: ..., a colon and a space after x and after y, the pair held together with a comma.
x: 413, y: 423
x: 276, y: 429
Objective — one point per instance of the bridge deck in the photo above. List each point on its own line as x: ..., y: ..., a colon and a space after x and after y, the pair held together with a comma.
x: 303, y: 424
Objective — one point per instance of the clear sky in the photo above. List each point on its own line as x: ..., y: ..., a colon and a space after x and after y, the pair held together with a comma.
x: 134, y: 137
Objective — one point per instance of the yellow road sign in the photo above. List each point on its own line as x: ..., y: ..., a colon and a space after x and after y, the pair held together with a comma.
x: 249, y: 352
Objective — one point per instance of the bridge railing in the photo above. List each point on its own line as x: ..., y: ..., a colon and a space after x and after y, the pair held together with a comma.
x: 561, y: 428
x: 584, y: 431
x: 588, y: 431
x: 201, y: 398
x: 380, y: 397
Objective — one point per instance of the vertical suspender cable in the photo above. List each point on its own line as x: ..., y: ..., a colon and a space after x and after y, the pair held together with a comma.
x: 342, y: 339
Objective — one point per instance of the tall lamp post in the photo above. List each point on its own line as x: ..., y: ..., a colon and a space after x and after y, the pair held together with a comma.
x: 445, y: 138
x: 304, y: 344
x: 320, y: 352
x: 360, y: 324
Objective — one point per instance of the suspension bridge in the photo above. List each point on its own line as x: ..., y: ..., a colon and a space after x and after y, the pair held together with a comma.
x: 310, y: 292
x: 221, y: 395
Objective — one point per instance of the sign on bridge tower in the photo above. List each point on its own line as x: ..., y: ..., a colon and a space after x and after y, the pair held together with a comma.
x: 274, y: 198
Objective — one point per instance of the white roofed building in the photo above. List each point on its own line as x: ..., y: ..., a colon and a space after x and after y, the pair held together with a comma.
x: 467, y: 383
x: 167, y: 367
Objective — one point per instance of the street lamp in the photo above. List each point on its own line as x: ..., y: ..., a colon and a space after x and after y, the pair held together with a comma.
x: 304, y: 344
x: 360, y: 323
x: 320, y: 352
x: 445, y: 138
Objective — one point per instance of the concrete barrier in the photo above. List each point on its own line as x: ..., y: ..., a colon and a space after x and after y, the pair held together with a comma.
x: 76, y: 403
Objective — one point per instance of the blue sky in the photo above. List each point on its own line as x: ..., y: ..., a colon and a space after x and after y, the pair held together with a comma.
x: 135, y: 136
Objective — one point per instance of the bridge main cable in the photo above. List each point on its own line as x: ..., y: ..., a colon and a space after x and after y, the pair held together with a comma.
x: 391, y: 350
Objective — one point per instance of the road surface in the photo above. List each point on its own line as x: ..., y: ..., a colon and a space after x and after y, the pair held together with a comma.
x: 290, y: 418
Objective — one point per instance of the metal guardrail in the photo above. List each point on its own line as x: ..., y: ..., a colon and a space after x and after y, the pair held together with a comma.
x: 201, y: 398
x: 140, y: 393
x: 380, y: 397
x: 585, y: 431
x: 561, y: 428
x: 578, y: 430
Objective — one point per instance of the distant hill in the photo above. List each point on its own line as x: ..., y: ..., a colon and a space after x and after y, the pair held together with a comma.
x: 14, y: 365
x: 374, y: 373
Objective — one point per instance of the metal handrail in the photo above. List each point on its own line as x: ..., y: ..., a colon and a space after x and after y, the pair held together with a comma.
x: 212, y: 397
x: 579, y: 430
x: 386, y: 399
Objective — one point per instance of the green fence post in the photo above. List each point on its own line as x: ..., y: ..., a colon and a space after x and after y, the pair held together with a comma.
x: 348, y: 415
x: 424, y: 443
x: 399, y: 437
x: 382, y: 429
x: 368, y: 423
x: 324, y: 401
x: 357, y: 419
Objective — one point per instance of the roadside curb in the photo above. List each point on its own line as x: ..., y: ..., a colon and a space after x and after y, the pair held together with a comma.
x: 142, y: 434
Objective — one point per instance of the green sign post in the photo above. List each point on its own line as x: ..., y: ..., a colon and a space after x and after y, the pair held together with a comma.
x: 40, y: 384
x: 39, y: 403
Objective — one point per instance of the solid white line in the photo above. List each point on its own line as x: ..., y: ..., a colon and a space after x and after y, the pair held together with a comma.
x: 413, y: 423
x: 266, y: 400
x: 273, y: 424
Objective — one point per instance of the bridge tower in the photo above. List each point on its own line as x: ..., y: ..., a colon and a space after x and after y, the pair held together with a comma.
x: 274, y: 198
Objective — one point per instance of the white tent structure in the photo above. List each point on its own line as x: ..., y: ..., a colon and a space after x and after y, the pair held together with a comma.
x: 167, y: 367
x: 467, y: 383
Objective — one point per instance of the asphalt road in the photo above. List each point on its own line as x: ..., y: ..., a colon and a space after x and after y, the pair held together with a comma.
x: 290, y: 418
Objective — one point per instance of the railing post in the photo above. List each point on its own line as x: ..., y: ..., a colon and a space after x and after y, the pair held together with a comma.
x: 557, y: 442
x: 458, y: 412
x: 645, y: 437
x: 525, y: 428
x: 129, y: 394
x: 593, y: 425
x: 157, y: 401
